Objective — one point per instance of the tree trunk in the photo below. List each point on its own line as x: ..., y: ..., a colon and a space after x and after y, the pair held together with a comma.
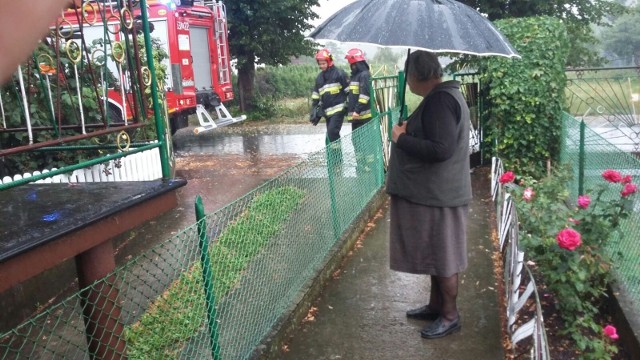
x: 246, y: 77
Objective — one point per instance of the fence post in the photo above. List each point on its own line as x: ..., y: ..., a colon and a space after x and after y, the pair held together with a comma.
x: 160, y: 128
x: 333, y: 163
x: 205, y: 261
x: 581, y: 159
x: 402, y: 84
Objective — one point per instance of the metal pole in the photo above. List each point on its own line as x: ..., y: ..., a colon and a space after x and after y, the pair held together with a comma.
x: 207, y: 274
x: 160, y: 129
x: 633, y: 105
x: 331, y: 166
x: 4, y: 121
x: 25, y: 105
x: 42, y: 144
x: 68, y: 169
x: 581, y: 159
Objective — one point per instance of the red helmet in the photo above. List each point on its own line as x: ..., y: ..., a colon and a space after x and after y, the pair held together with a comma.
x: 354, y: 55
x: 324, y: 54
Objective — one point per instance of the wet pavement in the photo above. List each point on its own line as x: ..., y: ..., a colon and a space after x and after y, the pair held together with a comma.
x: 361, y: 313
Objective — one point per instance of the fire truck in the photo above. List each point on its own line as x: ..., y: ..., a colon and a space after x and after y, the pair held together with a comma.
x: 192, y: 33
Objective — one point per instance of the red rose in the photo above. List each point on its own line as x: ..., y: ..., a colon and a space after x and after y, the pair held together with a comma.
x: 507, y: 177
x: 612, y: 176
x: 626, y: 179
x: 611, y: 332
x: 628, y: 190
x: 584, y: 201
x: 528, y: 193
x: 568, y: 239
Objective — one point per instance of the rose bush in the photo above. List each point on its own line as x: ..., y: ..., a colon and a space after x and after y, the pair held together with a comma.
x: 566, y: 242
x: 569, y: 239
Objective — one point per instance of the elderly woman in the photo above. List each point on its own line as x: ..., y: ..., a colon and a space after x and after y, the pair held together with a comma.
x: 430, y: 188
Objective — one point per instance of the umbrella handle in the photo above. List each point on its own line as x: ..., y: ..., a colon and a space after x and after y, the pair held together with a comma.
x: 404, y: 86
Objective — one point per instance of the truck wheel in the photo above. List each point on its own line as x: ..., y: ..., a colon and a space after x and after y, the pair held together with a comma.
x: 114, y: 116
x: 177, y: 122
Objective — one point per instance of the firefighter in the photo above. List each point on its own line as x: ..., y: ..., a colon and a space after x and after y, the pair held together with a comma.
x: 358, y: 107
x: 330, y: 91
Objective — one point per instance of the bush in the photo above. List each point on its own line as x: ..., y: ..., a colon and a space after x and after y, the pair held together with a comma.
x: 567, y: 245
x: 524, y: 97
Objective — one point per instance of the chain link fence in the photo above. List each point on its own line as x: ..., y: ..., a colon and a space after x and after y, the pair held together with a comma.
x: 598, y: 154
x: 261, y: 251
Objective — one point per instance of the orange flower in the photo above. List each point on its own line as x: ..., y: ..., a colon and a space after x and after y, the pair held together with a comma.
x: 47, y: 69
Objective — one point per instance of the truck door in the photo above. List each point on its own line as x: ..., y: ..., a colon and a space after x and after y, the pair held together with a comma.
x: 201, y: 52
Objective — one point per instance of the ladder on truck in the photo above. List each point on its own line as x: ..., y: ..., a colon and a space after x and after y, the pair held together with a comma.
x: 221, y: 41
x: 224, y: 73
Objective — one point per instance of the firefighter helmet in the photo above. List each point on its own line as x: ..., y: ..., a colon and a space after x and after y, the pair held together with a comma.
x: 354, y: 55
x: 325, y: 54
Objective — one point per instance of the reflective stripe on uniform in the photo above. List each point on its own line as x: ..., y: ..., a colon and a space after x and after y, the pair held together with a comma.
x: 315, y: 96
x: 334, y: 109
x: 333, y: 88
x: 363, y: 99
x: 354, y: 86
x: 365, y: 115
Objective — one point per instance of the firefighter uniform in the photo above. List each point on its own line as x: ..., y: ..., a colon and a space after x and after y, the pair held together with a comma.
x: 359, y: 95
x: 358, y: 102
x: 331, y: 89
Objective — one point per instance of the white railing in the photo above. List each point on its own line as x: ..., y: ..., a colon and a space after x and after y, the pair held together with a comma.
x: 142, y: 166
x: 520, y: 286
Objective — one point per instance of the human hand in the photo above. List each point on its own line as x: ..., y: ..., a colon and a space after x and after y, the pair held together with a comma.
x: 355, y: 116
x: 398, y: 130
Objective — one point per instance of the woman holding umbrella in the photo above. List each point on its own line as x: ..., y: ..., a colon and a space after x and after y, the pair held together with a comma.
x: 430, y: 188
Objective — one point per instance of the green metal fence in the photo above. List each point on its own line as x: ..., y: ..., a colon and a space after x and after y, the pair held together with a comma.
x: 596, y: 154
x: 258, y: 253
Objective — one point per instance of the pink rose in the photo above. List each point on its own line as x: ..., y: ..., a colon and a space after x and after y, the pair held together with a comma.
x: 626, y: 179
x: 568, y: 239
x: 628, y: 190
x: 507, y: 177
x: 528, y: 193
x: 611, y: 332
x: 612, y: 176
x: 584, y: 201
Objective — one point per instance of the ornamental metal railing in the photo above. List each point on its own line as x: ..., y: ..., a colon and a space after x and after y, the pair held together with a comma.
x: 57, y: 106
x: 525, y: 327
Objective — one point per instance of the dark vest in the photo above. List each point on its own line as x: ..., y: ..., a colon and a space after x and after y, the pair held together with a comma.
x: 436, y: 184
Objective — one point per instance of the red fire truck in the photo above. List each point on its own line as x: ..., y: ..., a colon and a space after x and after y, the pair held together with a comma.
x: 194, y: 35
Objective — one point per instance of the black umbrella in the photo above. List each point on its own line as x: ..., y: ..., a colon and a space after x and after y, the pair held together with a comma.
x: 445, y: 26
x: 433, y: 25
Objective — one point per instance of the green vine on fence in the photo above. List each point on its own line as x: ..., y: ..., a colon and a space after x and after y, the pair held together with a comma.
x: 524, y: 97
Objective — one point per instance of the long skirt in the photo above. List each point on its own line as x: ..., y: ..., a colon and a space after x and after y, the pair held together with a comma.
x: 427, y: 240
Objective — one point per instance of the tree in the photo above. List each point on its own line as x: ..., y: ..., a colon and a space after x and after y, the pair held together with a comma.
x: 623, y: 38
x: 387, y: 56
x: 578, y: 16
x: 268, y: 32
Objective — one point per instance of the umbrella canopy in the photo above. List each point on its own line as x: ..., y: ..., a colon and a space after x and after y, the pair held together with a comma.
x: 433, y: 25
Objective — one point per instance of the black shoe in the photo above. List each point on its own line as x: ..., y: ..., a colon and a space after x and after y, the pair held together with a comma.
x: 423, y: 313
x: 438, y: 329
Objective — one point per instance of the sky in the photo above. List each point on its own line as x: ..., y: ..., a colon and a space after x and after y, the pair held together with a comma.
x: 328, y: 8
